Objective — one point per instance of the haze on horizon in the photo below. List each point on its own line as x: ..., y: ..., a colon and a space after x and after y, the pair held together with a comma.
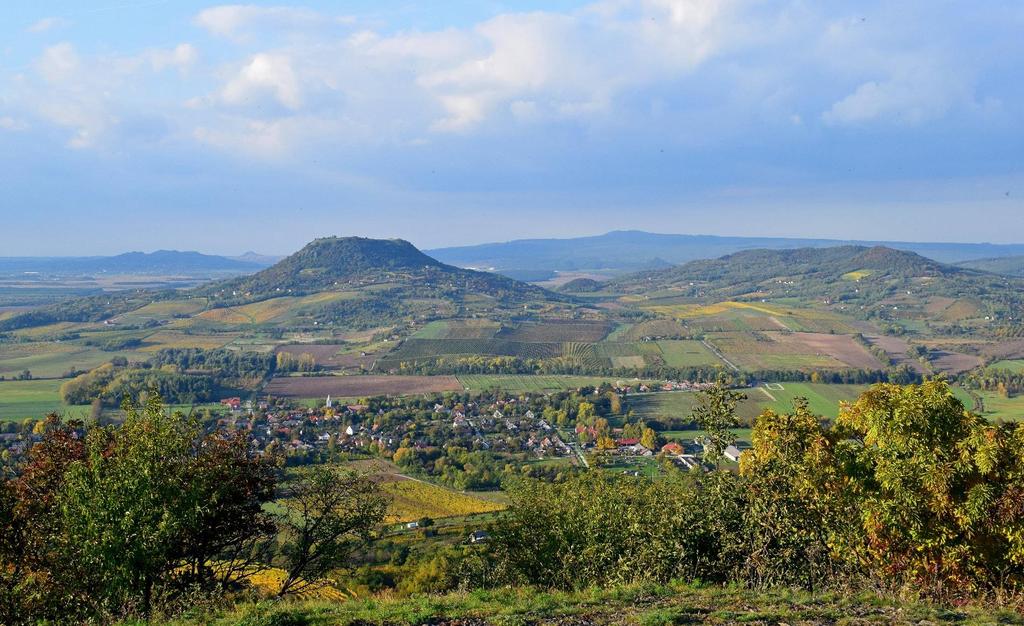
x: 140, y: 125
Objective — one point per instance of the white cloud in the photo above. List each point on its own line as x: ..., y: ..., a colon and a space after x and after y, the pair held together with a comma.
x: 58, y: 63
x: 235, y: 21
x: 180, y: 57
x: 89, y: 95
x: 10, y: 124
x: 699, y: 71
x: 264, y: 74
x: 47, y: 24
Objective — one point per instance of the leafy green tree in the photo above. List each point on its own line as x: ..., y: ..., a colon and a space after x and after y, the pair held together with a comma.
x: 715, y: 413
x: 941, y: 491
x: 114, y: 522
x: 796, y: 500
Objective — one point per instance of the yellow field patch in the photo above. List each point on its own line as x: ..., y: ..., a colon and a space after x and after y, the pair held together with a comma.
x: 170, y: 308
x: 268, y: 582
x: 700, y: 310
x: 857, y: 275
x: 42, y: 331
x: 412, y: 500
x: 270, y: 310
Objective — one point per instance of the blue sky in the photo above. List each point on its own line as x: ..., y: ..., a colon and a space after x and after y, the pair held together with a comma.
x: 139, y: 124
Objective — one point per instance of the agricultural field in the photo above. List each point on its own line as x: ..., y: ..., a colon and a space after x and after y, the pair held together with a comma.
x: 1016, y: 365
x: 753, y: 316
x: 275, y: 310
x: 822, y: 399
x: 527, y: 383
x: 658, y: 329
x: 556, y: 331
x: 792, y: 351
x: 49, y: 359
x: 999, y: 407
x: 413, y: 349
x: 176, y: 339
x: 33, y: 399
x: 458, y: 329
x: 666, y: 405
x: 358, y: 386
x: 414, y: 499
x: 686, y: 354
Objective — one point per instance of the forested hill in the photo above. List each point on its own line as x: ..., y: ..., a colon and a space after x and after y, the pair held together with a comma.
x: 857, y: 274
x: 334, y: 263
x: 1008, y: 266
x: 364, y: 280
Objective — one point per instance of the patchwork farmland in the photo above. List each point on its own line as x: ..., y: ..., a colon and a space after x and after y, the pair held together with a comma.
x: 358, y: 386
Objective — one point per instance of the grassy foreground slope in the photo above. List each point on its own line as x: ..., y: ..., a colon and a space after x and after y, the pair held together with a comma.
x: 642, y: 605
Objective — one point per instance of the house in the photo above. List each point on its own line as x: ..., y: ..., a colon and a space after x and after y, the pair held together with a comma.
x: 478, y: 536
x: 412, y: 525
x: 733, y: 454
x: 688, y: 461
x: 672, y: 448
x: 232, y: 403
x: 640, y: 450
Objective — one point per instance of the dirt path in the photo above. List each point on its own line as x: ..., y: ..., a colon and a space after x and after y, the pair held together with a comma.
x: 715, y: 351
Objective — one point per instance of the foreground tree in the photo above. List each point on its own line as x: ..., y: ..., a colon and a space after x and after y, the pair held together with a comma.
x: 941, y: 490
x: 329, y: 513
x: 105, y: 520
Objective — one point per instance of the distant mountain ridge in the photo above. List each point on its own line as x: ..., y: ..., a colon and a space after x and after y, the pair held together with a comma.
x: 160, y: 261
x: 627, y: 251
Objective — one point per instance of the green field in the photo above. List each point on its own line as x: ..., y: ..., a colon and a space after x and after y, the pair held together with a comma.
x: 998, y: 407
x: 1016, y: 366
x: 823, y: 399
x: 742, y: 435
x: 24, y: 399
x: 687, y: 354
x: 527, y: 383
x: 49, y: 359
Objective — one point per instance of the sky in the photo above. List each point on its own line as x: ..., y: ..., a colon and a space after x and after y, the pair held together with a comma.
x: 177, y: 124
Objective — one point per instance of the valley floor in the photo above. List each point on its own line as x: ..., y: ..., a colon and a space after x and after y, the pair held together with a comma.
x: 642, y: 605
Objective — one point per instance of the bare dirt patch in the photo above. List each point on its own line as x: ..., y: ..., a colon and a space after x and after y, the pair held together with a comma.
x: 954, y: 362
x: 896, y: 348
x: 840, y: 347
x: 359, y: 386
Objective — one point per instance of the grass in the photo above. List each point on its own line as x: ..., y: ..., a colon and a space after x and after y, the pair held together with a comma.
x: 33, y: 399
x: 643, y: 605
x: 998, y: 407
x: 823, y: 399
